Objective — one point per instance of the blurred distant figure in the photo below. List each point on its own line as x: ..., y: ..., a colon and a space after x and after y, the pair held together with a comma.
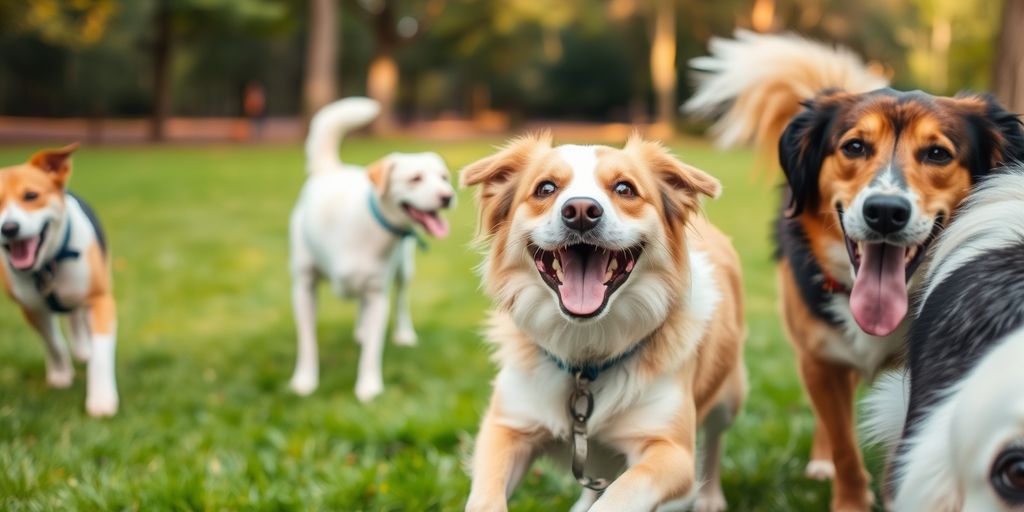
x: 254, y: 106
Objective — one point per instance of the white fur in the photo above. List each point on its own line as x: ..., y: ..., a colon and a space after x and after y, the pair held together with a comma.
x: 72, y: 283
x: 950, y: 457
x: 334, y: 237
x: 885, y: 409
x: 919, y: 225
x: 854, y: 347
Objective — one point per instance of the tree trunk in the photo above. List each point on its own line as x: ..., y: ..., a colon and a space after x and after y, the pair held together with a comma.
x: 663, y: 66
x: 320, y: 87
x: 382, y: 85
x: 382, y: 78
x: 762, y: 16
x: 161, y: 71
x: 1009, y: 67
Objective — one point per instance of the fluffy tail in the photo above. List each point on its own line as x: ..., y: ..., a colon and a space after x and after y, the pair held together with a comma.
x: 329, y: 126
x: 756, y: 83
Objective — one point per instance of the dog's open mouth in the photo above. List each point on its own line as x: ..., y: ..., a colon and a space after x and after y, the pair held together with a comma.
x: 879, y: 300
x: 24, y: 252
x: 584, y: 276
x: 431, y: 221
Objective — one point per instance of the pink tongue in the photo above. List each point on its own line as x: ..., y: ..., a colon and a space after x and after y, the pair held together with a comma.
x: 23, y: 253
x: 879, y: 296
x: 583, y: 287
x: 434, y: 224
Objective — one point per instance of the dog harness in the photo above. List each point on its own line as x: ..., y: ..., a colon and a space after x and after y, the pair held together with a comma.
x: 43, y: 278
x: 581, y: 407
x: 398, y: 232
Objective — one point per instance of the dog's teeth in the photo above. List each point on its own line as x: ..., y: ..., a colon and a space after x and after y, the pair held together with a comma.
x: 608, y: 275
x: 614, y: 265
x: 559, y: 274
x: 556, y: 264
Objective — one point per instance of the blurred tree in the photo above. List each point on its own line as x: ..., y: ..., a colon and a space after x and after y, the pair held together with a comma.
x: 663, y: 66
x: 174, y: 20
x: 320, y: 84
x: 1008, y: 82
x: 67, y: 23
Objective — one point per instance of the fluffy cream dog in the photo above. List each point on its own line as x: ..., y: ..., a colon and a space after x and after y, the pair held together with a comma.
x: 611, y: 291
x: 354, y: 228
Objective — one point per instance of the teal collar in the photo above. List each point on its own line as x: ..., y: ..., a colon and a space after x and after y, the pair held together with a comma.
x: 397, y: 231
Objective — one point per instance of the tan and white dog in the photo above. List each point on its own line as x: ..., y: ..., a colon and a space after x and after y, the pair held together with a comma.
x: 353, y: 227
x: 604, y: 273
x: 55, y: 262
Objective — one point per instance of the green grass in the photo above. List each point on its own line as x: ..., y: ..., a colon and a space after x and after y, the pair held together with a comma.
x: 207, y: 346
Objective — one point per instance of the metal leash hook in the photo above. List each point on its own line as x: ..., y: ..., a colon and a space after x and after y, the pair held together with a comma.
x: 581, y: 406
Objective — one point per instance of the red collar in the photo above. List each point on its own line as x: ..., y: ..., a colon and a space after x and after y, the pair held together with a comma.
x: 831, y: 285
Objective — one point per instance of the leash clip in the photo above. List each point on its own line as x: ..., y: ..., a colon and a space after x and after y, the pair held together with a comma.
x: 581, y: 406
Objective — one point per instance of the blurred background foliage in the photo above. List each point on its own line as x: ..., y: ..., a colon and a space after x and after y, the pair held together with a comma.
x: 571, y: 59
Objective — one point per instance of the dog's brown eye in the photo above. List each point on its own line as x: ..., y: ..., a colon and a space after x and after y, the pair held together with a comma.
x: 624, y: 189
x: 1008, y: 475
x: 416, y: 179
x: 31, y: 195
x: 855, y: 148
x: 545, y: 189
x: 938, y: 155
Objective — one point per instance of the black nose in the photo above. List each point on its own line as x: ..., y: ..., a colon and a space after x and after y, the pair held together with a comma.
x: 886, y: 213
x: 446, y: 201
x: 581, y: 213
x: 10, y: 229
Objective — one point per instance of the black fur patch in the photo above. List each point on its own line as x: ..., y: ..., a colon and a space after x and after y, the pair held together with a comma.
x: 94, y: 220
x: 793, y: 247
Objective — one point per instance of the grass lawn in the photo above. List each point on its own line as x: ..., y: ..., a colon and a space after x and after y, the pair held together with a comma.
x: 207, y: 346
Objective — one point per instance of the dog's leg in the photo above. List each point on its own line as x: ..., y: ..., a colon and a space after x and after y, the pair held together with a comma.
x: 820, y: 467
x: 710, y: 497
x: 81, y: 342
x: 586, y: 500
x: 101, y: 397
x: 369, y: 381
x: 500, y: 459
x: 59, y: 371
x: 405, y: 334
x: 831, y: 388
x: 306, y: 377
x: 660, y: 469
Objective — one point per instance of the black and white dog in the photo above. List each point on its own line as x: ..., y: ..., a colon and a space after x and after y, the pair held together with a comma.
x: 958, y: 436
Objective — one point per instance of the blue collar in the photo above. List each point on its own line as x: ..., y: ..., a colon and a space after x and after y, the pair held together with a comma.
x: 391, y: 228
x: 592, y: 370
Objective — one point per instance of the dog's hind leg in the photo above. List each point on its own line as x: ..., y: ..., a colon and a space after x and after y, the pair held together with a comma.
x: 369, y: 381
x: 306, y: 377
x: 101, y: 398
x: 81, y: 343
x: 59, y: 371
x: 405, y: 334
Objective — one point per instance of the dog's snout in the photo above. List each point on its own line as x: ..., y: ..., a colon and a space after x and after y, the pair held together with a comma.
x: 10, y: 229
x: 446, y: 200
x: 886, y: 213
x: 581, y: 213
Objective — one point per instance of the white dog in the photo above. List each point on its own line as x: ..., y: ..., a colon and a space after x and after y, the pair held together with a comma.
x: 354, y: 228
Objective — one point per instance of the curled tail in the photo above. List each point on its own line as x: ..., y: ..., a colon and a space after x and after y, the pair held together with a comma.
x: 754, y: 84
x: 330, y: 125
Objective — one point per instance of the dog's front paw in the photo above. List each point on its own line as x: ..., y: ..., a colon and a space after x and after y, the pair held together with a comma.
x: 60, y: 378
x: 303, y: 384
x: 820, y: 470
x: 405, y: 338
x: 368, y: 389
x: 101, y: 403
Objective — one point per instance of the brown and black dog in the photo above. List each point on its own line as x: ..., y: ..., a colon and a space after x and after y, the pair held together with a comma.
x: 873, y: 175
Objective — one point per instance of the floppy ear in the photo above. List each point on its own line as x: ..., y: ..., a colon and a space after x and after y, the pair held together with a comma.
x: 498, y: 175
x: 56, y: 162
x: 681, y: 183
x: 996, y: 136
x: 802, y: 150
x: 379, y: 173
